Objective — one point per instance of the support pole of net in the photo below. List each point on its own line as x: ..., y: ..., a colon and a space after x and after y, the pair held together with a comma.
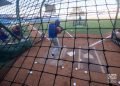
x: 18, y: 16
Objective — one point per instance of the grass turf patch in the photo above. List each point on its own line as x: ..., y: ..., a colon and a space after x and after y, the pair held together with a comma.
x: 92, y: 26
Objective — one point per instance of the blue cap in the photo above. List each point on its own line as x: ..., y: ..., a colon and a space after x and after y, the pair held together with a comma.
x: 57, y: 22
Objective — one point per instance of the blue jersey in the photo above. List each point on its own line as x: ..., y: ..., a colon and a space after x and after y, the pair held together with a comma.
x: 52, y: 30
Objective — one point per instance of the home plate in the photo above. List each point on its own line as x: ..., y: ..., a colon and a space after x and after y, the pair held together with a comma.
x: 90, y: 56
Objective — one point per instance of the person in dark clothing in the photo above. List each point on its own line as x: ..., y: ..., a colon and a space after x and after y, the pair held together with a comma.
x: 53, y: 30
x: 16, y: 30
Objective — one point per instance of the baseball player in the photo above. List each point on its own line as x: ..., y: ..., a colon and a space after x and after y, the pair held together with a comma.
x: 53, y: 30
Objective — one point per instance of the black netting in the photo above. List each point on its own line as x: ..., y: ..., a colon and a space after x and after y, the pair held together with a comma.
x: 87, y: 56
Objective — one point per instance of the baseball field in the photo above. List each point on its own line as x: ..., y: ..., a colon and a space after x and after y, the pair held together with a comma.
x: 87, y: 57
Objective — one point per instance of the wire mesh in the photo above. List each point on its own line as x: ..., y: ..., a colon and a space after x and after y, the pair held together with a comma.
x: 87, y: 56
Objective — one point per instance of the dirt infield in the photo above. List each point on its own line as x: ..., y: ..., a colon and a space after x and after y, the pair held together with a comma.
x: 77, y: 63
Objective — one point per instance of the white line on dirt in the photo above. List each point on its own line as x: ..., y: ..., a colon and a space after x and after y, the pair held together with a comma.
x: 69, y: 34
x: 99, y: 41
x: 37, y: 31
x: 79, y: 58
x: 63, y: 52
x: 62, y: 56
x: 100, y: 62
x: 95, y: 43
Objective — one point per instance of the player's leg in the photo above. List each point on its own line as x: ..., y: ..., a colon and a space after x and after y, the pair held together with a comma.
x: 56, y: 44
x: 53, y: 50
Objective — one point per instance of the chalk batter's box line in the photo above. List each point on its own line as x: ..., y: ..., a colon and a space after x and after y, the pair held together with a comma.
x: 80, y: 65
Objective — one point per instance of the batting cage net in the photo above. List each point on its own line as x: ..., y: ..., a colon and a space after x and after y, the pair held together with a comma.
x: 59, y: 43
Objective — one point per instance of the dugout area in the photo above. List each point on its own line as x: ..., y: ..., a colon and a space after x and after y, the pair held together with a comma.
x: 90, y: 45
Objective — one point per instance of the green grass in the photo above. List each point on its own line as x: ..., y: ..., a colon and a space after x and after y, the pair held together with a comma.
x: 118, y: 24
x: 93, y: 26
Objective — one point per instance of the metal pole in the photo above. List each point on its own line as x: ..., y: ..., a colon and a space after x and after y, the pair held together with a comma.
x: 114, y: 27
x: 42, y: 18
x: 118, y: 7
x: 18, y: 16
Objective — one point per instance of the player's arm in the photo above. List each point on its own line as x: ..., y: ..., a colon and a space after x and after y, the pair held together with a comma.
x: 62, y: 29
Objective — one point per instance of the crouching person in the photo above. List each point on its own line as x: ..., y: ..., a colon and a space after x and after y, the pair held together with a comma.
x: 16, y: 30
